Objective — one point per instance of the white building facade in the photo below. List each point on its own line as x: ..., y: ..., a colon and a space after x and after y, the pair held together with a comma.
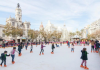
x: 89, y: 29
x: 51, y: 28
x: 17, y: 22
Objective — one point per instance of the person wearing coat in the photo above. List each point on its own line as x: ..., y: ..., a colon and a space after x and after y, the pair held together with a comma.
x: 13, y: 54
x: 3, y: 58
x: 19, y: 49
x: 97, y: 46
x: 84, y: 58
x: 31, y: 48
x: 53, y: 47
x: 42, y: 50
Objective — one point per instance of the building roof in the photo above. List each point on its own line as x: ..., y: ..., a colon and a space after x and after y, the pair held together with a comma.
x: 75, y: 36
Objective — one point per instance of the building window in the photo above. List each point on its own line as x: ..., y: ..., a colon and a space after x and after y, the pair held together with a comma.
x: 3, y: 35
x: 13, y: 24
x: 27, y: 26
x: 19, y: 18
x: 23, y: 32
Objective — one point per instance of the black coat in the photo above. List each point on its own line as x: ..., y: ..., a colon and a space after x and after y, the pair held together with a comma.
x: 19, y: 47
x: 53, y: 46
x: 84, y: 55
x: 97, y: 45
x: 3, y: 56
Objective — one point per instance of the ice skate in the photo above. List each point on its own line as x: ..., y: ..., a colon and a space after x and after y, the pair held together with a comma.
x: 73, y: 51
x: 91, y: 51
x: 20, y: 54
x: 96, y: 51
x: 51, y: 52
x: 13, y: 62
x: 42, y: 53
x: 86, y: 67
x: 39, y: 54
x: 5, y: 65
x: 82, y: 66
x: 31, y: 52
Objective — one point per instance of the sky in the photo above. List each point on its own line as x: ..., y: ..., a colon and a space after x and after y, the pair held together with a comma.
x: 75, y: 14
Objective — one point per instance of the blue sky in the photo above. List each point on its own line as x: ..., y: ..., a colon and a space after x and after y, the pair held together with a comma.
x: 76, y: 14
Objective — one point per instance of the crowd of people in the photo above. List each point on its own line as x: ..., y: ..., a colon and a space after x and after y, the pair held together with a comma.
x: 95, y: 47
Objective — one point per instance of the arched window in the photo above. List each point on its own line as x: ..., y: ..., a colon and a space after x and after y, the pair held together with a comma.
x: 13, y: 24
x: 19, y: 18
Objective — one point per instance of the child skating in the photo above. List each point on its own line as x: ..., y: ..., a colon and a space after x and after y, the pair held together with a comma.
x: 84, y: 58
x: 72, y: 47
x: 13, y: 54
x: 3, y: 58
x: 42, y: 50
x: 31, y: 48
x: 53, y: 47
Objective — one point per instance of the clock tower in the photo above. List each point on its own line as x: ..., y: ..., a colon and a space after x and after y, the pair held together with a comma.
x: 18, y: 13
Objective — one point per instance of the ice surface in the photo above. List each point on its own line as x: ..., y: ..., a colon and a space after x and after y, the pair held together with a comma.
x: 62, y: 59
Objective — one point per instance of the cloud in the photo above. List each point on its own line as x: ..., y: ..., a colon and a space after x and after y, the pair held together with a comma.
x: 76, y: 14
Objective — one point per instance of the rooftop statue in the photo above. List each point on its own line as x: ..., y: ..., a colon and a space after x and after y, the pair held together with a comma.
x: 18, y: 5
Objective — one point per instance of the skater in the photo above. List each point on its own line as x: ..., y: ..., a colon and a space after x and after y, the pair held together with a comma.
x: 92, y: 46
x: 42, y: 50
x: 19, y: 49
x: 72, y: 47
x: 53, y: 47
x: 97, y: 46
x: 31, y: 48
x: 36, y: 44
x: 3, y: 58
x: 57, y: 45
x: 26, y: 46
x: 68, y: 44
x: 13, y: 54
x: 84, y: 58
x: 60, y: 43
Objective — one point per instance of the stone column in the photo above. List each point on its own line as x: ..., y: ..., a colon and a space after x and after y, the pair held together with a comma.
x: 20, y: 40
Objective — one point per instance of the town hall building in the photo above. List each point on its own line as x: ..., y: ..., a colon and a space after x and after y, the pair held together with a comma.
x: 17, y: 22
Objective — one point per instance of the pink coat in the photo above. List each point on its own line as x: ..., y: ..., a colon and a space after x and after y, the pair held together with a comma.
x: 42, y: 46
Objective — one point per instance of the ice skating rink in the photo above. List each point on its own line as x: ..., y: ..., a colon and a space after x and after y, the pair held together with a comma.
x: 62, y: 59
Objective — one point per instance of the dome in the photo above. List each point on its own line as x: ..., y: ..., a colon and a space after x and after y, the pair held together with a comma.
x: 41, y: 25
